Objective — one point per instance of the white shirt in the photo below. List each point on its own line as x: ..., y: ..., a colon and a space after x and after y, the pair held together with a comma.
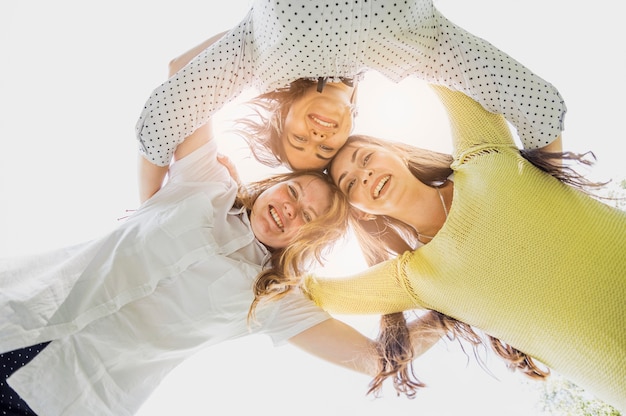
x: 126, y: 309
x: 281, y: 41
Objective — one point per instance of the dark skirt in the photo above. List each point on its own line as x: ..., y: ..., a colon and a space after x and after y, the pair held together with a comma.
x: 11, y: 404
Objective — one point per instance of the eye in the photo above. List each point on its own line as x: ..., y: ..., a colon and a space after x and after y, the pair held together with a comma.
x: 367, y: 158
x: 307, y: 217
x: 325, y: 148
x: 292, y: 191
x: 349, y: 186
x: 300, y: 139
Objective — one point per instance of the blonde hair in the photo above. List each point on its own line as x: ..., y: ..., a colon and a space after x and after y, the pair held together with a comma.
x: 310, y: 245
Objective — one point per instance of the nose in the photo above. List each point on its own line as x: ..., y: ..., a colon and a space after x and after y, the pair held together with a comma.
x: 365, y: 175
x: 290, y: 210
x: 319, y: 136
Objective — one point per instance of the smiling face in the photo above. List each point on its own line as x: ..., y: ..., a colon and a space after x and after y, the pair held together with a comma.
x: 317, y: 125
x: 280, y: 211
x: 374, y: 178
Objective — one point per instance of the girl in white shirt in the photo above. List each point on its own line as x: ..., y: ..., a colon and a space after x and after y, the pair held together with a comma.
x: 178, y: 275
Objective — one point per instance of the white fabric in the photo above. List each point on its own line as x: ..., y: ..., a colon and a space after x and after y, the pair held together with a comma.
x: 124, y: 310
x: 279, y: 42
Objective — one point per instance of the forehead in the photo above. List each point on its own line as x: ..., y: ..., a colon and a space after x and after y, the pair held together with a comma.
x: 311, y: 182
x: 315, y: 191
x: 302, y: 158
x: 344, y: 156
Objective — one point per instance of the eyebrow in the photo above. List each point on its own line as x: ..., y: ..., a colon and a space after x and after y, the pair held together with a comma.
x: 352, y: 159
x: 302, y: 150
x: 302, y: 193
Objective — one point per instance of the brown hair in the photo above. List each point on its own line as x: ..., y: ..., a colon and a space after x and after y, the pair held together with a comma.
x: 312, y: 242
x: 385, y: 238
x: 263, y: 129
x: 430, y: 167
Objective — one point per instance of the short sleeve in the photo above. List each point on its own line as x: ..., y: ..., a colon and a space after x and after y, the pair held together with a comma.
x: 187, y: 100
x: 201, y: 165
x: 293, y: 314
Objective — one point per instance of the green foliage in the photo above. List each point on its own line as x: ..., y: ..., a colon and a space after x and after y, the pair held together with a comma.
x: 560, y: 397
x: 614, y: 194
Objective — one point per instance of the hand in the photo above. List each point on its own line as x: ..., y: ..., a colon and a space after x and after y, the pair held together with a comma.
x: 225, y: 160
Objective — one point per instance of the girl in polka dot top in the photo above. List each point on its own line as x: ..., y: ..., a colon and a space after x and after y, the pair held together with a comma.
x: 320, y: 44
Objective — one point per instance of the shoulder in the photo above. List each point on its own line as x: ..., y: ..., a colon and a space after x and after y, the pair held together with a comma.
x: 200, y: 165
x: 471, y: 124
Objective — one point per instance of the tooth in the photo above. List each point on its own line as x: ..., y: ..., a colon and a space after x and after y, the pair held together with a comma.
x: 323, y: 123
x: 380, y: 186
x: 276, y: 218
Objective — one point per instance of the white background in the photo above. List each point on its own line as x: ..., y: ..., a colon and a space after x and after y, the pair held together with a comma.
x: 75, y: 75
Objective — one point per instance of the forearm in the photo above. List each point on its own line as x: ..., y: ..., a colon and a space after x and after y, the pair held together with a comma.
x: 179, y: 62
x: 376, y: 290
x: 425, y: 332
x: 340, y: 344
x: 555, y: 146
x: 151, y: 178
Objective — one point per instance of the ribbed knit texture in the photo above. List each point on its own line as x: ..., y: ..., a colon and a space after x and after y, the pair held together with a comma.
x: 521, y: 256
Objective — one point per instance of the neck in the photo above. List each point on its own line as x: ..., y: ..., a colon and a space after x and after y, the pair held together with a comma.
x: 425, y: 211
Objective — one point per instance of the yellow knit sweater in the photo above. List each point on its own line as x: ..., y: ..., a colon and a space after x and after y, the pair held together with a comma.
x: 521, y: 256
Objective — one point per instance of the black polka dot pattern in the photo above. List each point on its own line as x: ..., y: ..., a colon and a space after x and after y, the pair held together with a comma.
x: 280, y: 41
x: 10, y: 402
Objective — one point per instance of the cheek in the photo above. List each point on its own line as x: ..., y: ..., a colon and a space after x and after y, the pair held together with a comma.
x: 358, y: 200
x: 338, y: 140
x: 279, y: 241
x: 293, y: 120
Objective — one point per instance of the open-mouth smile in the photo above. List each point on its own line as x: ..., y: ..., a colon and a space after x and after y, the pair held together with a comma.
x: 323, y: 123
x: 276, y: 218
x: 380, y: 185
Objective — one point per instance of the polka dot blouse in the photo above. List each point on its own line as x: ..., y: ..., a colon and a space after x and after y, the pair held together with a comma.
x: 280, y: 41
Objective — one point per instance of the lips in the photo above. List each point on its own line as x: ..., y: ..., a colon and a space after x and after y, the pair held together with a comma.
x: 380, y: 185
x: 323, y: 122
x: 277, y: 220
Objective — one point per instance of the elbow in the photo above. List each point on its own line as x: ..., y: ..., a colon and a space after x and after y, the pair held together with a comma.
x: 175, y: 65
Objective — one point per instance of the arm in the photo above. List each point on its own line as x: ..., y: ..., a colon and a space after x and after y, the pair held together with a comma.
x: 151, y: 176
x: 472, y: 125
x: 194, y: 92
x: 425, y: 332
x: 179, y: 62
x: 340, y: 344
x: 556, y: 146
x: 377, y: 290
x: 499, y: 83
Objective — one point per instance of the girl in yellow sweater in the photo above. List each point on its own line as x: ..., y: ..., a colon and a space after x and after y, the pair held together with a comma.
x: 538, y: 265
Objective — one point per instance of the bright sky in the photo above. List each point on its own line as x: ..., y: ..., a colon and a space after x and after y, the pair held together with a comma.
x: 75, y: 75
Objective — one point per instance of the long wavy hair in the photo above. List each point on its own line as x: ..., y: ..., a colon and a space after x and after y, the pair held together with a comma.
x: 262, y: 130
x: 311, y: 244
x: 385, y: 237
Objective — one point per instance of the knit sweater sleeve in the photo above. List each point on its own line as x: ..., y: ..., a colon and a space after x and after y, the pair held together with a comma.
x: 377, y: 290
x: 471, y: 125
